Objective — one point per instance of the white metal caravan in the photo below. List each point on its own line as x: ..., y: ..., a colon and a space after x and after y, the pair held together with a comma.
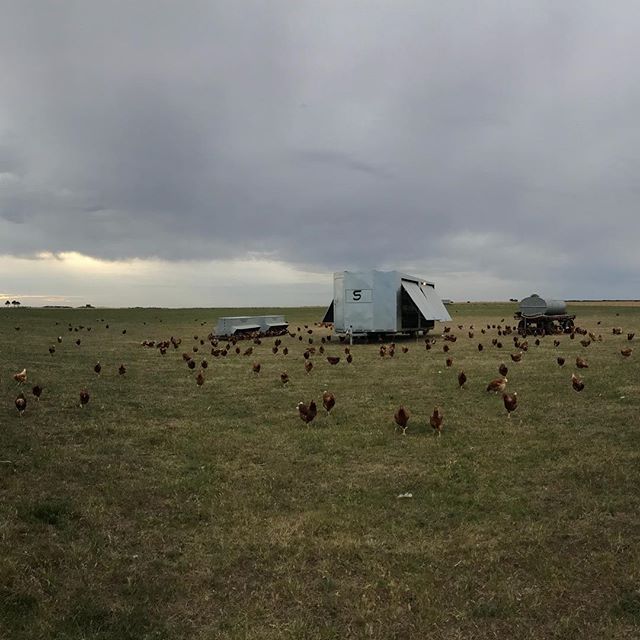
x: 371, y: 302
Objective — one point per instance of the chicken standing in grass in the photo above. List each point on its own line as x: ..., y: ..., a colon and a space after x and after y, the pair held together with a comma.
x: 560, y: 360
x: 581, y: 363
x: 516, y: 357
x: 84, y: 398
x: 577, y: 382
x: 328, y: 401
x: 200, y: 378
x: 626, y: 352
x: 503, y: 369
x: 497, y: 385
x: 21, y: 404
x: 21, y: 377
x: 284, y: 377
x: 308, y: 365
x: 510, y: 402
x: 436, y: 420
x: 97, y: 368
x: 462, y: 379
x: 401, y: 417
x: 256, y: 367
x: 307, y: 412
x: 333, y: 359
x: 37, y: 391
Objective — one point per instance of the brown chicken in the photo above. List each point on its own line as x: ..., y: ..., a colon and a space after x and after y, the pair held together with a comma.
x: 248, y: 351
x: 37, y: 391
x: 200, y: 378
x: 630, y: 336
x: 556, y: 343
x: 328, y: 401
x: 284, y: 377
x: 21, y: 403
x: 510, y: 402
x: 333, y: 359
x: 256, y: 367
x: 480, y: 347
x: 560, y: 360
x: 462, y: 379
x: 20, y: 377
x: 449, y: 362
x: 516, y: 357
x: 97, y: 368
x: 401, y: 416
x: 52, y: 350
x: 445, y: 348
x: 405, y: 349
x: 436, y: 420
x: 191, y: 364
x: 626, y: 352
x: 308, y: 365
x: 497, y: 385
x: 349, y: 358
x: 307, y: 412
x: 84, y: 398
x: 581, y: 363
x: 503, y: 369
x: 577, y: 382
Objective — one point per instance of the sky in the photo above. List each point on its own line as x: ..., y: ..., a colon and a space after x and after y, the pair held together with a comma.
x: 162, y: 153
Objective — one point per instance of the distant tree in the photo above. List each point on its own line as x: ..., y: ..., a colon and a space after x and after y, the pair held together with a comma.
x: 15, y: 303
x: 7, y: 303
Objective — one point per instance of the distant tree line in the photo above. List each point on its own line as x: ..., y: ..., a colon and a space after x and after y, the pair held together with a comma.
x: 13, y: 303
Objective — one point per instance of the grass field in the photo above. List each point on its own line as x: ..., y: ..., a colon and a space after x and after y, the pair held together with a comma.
x: 167, y: 510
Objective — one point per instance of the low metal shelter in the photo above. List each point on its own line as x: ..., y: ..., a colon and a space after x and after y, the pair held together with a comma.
x: 234, y: 325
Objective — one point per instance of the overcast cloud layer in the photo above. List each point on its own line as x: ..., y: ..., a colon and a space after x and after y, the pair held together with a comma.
x: 492, y: 147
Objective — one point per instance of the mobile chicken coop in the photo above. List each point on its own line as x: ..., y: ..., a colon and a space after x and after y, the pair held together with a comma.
x: 369, y: 303
x: 243, y: 325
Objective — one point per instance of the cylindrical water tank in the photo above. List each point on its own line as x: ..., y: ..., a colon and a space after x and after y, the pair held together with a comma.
x: 534, y: 305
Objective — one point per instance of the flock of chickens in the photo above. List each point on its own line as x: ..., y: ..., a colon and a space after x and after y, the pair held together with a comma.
x: 308, y: 411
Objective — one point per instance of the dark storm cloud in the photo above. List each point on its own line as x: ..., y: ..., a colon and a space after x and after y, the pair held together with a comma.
x: 333, y: 135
